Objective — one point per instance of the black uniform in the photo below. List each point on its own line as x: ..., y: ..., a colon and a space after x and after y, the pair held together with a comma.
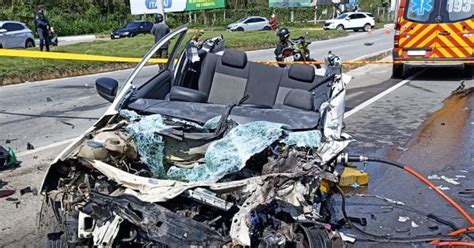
x: 279, y: 49
x: 160, y: 30
x: 42, y: 27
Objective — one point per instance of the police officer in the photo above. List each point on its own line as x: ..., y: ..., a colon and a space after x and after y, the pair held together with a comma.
x: 42, y: 28
x: 284, y: 35
x: 159, y: 30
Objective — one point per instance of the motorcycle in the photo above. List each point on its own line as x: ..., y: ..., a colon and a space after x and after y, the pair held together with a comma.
x: 298, y: 51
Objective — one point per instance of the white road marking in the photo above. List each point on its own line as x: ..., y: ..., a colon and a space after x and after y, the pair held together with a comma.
x: 380, y: 95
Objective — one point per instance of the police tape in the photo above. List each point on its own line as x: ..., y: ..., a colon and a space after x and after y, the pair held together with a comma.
x: 103, y: 58
x: 73, y: 56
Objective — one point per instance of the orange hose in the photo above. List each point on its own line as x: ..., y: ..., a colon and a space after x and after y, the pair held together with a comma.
x: 442, y: 194
x: 454, y: 233
x: 462, y: 230
x: 455, y: 243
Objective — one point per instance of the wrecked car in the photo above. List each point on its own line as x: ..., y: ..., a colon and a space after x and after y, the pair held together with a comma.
x: 212, y: 151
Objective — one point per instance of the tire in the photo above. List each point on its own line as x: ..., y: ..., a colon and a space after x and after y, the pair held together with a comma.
x: 397, y: 71
x: 29, y: 43
x: 468, y: 70
x: 366, y: 27
x: 239, y: 29
x: 340, y: 27
x: 267, y: 28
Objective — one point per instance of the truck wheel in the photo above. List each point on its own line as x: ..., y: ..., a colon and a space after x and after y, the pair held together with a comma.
x: 468, y: 69
x: 340, y: 27
x: 29, y: 43
x: 397, y: 71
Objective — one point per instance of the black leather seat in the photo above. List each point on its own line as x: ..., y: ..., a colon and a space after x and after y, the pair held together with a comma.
x: 228, y: 78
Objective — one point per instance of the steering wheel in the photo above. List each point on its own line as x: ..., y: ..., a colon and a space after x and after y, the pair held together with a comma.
x: 252, y: 105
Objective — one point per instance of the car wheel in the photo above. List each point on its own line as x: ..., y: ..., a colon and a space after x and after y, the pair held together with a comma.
x: 366, y: 27
x: 340, y: 27
x: 267, y: 28
x: 240, y: 29
x: 397, y: 71
x: 29, y: 43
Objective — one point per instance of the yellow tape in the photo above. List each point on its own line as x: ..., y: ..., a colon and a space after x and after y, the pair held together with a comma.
x: 73, y: 56
x: 102, y: 58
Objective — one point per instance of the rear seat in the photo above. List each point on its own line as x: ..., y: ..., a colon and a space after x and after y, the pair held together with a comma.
x: 228, y: 78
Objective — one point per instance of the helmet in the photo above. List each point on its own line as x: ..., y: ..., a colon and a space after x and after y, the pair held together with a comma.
x: 158, y: 17
x: 283, y: 33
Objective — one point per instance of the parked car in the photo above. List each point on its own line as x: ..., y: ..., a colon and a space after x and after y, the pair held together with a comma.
x: 132, y: 29
x: 250, y: 23
x: 351, y: 20
x: 15, y: 35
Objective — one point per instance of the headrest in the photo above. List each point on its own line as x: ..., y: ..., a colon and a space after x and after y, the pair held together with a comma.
x: 303, y: 73
x: 234, y: 58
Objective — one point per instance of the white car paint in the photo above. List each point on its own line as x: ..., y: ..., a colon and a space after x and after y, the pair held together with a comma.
x: 250, y: 23
x: 15, y: 35
x: 351, y: 20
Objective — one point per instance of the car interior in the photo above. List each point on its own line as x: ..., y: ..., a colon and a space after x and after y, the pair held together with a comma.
x: 290, y: 96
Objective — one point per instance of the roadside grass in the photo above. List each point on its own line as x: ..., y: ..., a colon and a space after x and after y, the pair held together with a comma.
x: 17, y: 70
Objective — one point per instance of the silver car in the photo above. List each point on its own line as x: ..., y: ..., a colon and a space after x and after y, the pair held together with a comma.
x: 15, y: 35
x: 250, y: 23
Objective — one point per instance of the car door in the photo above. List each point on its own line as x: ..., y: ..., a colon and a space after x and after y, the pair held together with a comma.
x: 260, y: 23
x: 18, y: 34
x: 249, y: 24
x: 7, y: 37
x: 350, y: 21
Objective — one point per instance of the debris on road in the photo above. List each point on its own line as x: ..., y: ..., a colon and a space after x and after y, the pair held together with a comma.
x: 48, y: 99
x: 353, y: 177
x: 67, y: 123
x: 29, y: 189
x: 29, y: 146
x: 8, y: 141
x: 7, y: 158
x: 445, y: 178
x: 403, y: 218
x: 414, y: 225
x: 382, y: 198
x: 368, y: 43
x: 6, y: 192
x: 443, y: 188
x: 460, y: 176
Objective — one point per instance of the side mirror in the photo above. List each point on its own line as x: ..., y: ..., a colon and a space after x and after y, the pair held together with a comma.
x: 107, y: 88
x: 348, y: 19
x: 2, y: 30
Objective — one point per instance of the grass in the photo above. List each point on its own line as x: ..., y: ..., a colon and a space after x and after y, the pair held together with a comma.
x: 17, y: 70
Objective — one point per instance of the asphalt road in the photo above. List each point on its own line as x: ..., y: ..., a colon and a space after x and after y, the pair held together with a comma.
x: 401, y: 125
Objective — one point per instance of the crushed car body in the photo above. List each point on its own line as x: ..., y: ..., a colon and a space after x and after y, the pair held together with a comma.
x: 213, y: 151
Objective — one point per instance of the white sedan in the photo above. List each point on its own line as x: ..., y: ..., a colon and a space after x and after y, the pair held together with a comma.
x: 351, y: 21
x: 15, y: 35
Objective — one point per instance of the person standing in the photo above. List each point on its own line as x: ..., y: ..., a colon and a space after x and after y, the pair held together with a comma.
x: 42, y: 28
x: 160, y: 30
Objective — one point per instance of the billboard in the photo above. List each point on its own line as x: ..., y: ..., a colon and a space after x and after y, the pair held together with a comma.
x: 174, y: 5
x: 192, y: 5
x: 140, y: 7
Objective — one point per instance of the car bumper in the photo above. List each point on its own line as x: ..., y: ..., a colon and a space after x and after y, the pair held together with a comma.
x: 329, y: 26
x: 118, y: 36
